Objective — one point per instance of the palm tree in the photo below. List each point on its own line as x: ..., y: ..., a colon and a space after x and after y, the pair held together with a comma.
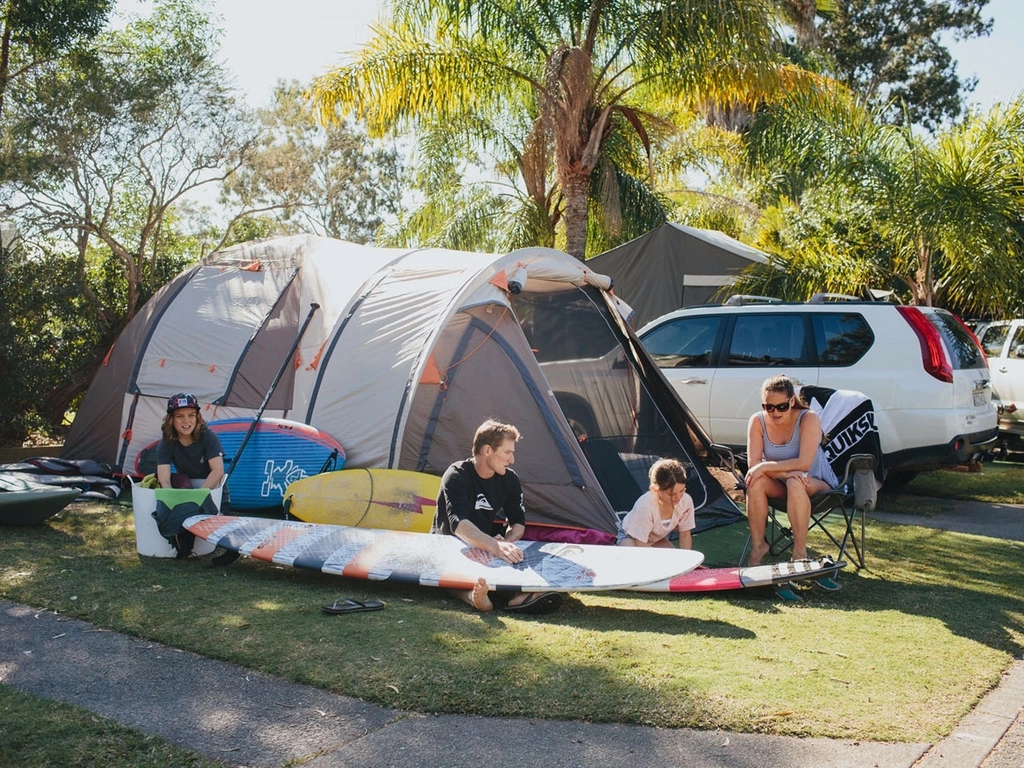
x: 801, y: 16
x: 581, y: 71
x: 941, y: 217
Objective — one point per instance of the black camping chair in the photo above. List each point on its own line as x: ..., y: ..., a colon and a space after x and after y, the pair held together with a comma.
x: 854, y: 450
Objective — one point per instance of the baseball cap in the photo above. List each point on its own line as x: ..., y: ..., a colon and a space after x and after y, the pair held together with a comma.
x: 182, y: 400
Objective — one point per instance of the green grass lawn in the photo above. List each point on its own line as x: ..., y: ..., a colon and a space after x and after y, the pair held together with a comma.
x: 902, y: 652
x: 998, y: 482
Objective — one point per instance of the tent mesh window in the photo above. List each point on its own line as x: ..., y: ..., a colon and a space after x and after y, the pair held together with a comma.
x: 607, y: 401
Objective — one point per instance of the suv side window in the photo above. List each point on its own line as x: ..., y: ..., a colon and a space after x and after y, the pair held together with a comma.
x: 842, y: 338
x: 772, y: 340
x: 993, y: 339
x: 686, y: 342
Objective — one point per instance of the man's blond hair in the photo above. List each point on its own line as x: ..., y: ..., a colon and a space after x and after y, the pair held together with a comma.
x: 493, y: 433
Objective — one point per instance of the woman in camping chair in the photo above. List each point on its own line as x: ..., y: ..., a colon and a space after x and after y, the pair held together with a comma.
x: 786, y: 461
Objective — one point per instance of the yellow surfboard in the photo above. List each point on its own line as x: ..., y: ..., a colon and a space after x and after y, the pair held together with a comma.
x: 388, y: 499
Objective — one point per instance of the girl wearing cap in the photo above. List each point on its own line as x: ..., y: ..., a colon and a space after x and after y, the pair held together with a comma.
x: 188, y: 444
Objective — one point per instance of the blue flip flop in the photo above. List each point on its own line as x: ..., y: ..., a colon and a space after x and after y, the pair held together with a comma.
x: 788, y: 593
x: 827, y: 583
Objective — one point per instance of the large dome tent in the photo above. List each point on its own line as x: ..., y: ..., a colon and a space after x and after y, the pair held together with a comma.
x: 408, y: 352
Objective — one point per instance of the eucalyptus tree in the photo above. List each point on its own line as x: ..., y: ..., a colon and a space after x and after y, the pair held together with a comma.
x: 35, y: 32
x: 895, y: 54
x: 101, y: 154
x: 328, y: 180
x: 107, y: 151
x: 580, y: 72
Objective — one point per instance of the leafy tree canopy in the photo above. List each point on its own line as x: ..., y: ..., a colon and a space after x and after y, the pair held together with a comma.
x: 99, y: 154
x: 329, y: 180
x: 892, y: 52
x: 34, y: 31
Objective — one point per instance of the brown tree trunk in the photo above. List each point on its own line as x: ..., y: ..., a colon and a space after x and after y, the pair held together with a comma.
x: 574, y: 190
x: 5, y: 64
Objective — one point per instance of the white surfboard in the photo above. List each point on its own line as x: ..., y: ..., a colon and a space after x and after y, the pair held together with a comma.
x: 440, y: 561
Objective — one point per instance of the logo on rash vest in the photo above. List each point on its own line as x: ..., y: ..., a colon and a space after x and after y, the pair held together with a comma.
x: 483, y: 503
x: 278, y: 478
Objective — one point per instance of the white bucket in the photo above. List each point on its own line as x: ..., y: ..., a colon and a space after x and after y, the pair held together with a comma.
x: 148, y: 540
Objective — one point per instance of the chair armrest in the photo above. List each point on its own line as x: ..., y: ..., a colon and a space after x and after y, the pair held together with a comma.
x: 860, y: 472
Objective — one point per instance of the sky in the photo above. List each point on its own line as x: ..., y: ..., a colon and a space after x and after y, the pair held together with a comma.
x: 265, y: 40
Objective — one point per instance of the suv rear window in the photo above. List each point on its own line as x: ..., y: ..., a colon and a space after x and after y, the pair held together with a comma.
x: 964, y: 352
x: 773, y: 339
x: 842, y: 338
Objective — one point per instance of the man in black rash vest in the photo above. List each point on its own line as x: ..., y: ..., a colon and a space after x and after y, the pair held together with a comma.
x: 481, y: 502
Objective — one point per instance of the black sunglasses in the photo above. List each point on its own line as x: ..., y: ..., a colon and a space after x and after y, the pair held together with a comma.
x: 780, y: 407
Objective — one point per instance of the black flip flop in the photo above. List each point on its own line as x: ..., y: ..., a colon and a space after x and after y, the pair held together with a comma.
x: 351, y: 605
x: 537, y: 603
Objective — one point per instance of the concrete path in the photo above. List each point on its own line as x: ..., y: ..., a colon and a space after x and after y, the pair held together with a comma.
x: 999, y: 521
x: 247, y: 718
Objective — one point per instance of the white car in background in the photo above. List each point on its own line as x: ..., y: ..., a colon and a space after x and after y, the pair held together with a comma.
x: 921, y: 367
x: 1003, y: 342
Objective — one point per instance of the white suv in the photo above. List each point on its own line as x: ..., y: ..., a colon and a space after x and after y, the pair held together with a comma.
x: 1003, y: 342
x: 921, y: 367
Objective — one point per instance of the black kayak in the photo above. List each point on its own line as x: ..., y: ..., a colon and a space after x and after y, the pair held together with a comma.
x: 35, y: 506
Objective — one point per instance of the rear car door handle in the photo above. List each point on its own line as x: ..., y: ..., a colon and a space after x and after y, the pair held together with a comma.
x: 693, y: 381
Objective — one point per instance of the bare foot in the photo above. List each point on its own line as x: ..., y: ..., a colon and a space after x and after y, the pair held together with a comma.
x: 478, y: 597
x: 757, y: 555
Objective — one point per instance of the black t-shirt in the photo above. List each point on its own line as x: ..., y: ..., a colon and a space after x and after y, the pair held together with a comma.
x: 492, y: 505
x: 192, y: 460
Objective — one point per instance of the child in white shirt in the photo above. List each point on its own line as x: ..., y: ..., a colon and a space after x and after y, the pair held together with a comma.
x: 664, y: 508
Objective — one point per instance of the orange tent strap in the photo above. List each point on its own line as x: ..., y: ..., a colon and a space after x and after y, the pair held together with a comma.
x: 127, y: 435
x: 251, y: 266
x: 106, y: 358
x: 162, y: 361
x: 500, y: 280
x: 315, y: 363
x: 431, y: 373
x: 298, y: 360
x: 213, y: 368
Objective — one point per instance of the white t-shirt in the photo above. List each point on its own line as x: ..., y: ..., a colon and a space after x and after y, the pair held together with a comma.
x: 643, y: 522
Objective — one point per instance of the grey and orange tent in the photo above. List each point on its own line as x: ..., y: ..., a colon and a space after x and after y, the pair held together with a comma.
x: 409, y: 352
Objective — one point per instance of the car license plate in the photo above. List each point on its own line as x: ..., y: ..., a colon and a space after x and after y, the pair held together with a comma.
x: 979, y: 397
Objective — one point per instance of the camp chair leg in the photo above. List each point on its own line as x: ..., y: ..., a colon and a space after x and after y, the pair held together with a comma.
x: 850, y: 518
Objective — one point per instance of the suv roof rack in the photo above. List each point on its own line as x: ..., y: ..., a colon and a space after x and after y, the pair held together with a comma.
x: 822, y: 298
x: 743, y: 298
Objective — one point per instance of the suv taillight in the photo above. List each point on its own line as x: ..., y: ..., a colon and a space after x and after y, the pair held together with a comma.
x: 933, y: 356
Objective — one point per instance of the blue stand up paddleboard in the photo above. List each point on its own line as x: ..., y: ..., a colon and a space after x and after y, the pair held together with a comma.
x: 278, y: 453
